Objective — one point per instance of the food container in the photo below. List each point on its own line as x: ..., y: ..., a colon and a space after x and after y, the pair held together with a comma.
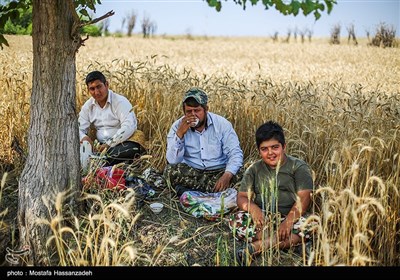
x: 156, y: 207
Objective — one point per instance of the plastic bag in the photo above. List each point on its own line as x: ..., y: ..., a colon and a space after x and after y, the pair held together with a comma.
x: 85, y: 153
x: 111, y: 177
x: 208, y: 205
x: 142, y: 189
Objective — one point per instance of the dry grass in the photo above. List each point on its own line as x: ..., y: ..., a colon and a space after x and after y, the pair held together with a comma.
x: 340, y: 107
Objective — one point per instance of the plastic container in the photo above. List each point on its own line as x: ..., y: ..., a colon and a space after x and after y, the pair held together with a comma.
x: 85, y: 153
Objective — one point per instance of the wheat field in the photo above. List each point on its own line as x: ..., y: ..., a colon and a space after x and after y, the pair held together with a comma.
x: 339, y: 106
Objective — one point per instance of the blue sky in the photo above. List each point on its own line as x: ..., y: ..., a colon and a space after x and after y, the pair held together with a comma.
x: 195, y: 17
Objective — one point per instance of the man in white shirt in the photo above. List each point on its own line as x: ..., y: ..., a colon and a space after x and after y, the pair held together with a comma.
x: 113, y: 117
x: 203, y: 149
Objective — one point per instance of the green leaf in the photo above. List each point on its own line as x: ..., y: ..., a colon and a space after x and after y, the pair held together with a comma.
x: 279, y: 5
x: 329, y: 5
x: 267, y: 3
x: 212, y: 3
x: 295, y: 7
x: 91, y: 6
x: 306, y: 8
x: 292, y: 7
x: 311, y: 6
x: 84, y: 12
x: 317, y: 15
x: 219, y: 6
x: 215, y: 3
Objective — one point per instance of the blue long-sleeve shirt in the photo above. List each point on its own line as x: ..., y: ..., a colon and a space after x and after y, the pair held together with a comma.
x: 216, y: 147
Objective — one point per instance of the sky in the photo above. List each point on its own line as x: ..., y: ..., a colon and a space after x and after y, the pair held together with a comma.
x: 195, y: 17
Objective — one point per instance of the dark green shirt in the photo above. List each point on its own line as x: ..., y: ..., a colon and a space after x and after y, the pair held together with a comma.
x: 293, y: 175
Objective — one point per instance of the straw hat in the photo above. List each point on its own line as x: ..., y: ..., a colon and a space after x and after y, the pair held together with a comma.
x: 140, y: 138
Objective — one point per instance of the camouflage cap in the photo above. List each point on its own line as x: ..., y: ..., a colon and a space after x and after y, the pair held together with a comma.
x: 198, y: 94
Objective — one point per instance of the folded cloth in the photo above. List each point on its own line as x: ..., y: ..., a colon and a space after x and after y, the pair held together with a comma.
x: 208, y: 205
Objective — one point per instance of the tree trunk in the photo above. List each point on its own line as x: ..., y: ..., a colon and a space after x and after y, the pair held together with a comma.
x: 53, y: 162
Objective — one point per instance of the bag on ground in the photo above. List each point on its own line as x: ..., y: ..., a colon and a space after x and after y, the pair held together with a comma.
x: 208, y: 205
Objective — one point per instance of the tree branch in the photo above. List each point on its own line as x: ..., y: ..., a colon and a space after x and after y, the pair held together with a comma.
x: 93, y: 21
x: 79, y: 24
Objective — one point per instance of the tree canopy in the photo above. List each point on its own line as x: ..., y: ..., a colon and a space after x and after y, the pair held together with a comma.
x: 292, y: 7
x: 12, y: 10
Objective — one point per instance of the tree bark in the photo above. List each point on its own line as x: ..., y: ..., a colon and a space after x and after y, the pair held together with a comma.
x: 52, y: 165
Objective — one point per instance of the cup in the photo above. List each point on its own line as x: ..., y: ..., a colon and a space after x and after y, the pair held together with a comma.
x: 156, y: 207
x: 195, y: 123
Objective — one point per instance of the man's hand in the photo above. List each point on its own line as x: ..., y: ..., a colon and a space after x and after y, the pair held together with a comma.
x: 246, y: 203
x: 87, y: 138
x: 257, y: 216
x: 285, y: 229
x: 223, y: 182
x: 185, y: 125
x: 297, y: 210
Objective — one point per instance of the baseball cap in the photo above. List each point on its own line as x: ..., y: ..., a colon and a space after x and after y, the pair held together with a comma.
x: 198, y: 94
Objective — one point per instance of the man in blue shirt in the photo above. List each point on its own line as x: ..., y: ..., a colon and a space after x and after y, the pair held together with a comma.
x: 203, y: 149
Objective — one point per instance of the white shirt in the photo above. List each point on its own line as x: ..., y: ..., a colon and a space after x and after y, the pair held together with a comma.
x: 114, y: 123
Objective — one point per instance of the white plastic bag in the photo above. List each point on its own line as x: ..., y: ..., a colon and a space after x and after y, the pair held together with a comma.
x: 209, y: 205
x: 85, y: 153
